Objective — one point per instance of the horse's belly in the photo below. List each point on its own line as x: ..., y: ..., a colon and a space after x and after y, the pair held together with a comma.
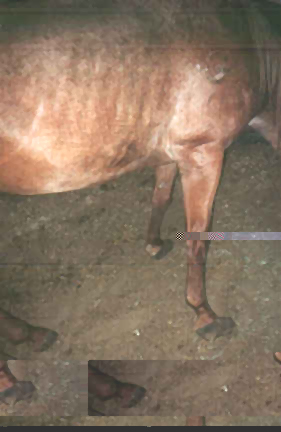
x: 51, y: 171
x: 29, y: 177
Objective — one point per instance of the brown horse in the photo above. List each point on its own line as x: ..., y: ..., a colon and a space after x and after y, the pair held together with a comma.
x: 105, y: 88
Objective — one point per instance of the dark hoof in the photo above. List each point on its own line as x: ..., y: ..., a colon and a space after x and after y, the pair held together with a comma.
x: 277, y: 359
x: 38, y: 339
x: 220, y: 327
x: 136, y: 398
x: 22, y: 390
x: 95, y: 413
x: 166, y: 247
x: 43, y: 342
x: 49, y: 340
x: 5, y: 356
x: 131, y: 395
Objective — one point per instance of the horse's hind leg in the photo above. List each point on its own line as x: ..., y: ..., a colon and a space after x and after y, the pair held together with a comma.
x: 162, y: 196
x: 200, y: 174
x: 17, y: 331
x: 12, y: 390
x: 105, y: 387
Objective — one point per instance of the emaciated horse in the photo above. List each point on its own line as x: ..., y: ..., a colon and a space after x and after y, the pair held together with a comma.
x: 105, y: 88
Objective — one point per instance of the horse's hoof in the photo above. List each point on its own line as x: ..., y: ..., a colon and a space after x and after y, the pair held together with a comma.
x: 38, y: 339
x: 130, y: 394
x: 95, y: 413
x: 165, y: 249
x: 277, y: 357
x: 4, y: 356
x: 42, y: 339
x: 220, y: 327
x: 159, y: 252
x: 22, y: 390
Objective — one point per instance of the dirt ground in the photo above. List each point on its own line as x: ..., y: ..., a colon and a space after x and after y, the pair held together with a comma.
x: 75, y: 262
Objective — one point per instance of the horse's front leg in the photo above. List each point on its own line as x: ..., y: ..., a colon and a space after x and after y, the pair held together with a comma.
x: 200, y: 170
x: 12, y: 390
x: 162, y: 197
